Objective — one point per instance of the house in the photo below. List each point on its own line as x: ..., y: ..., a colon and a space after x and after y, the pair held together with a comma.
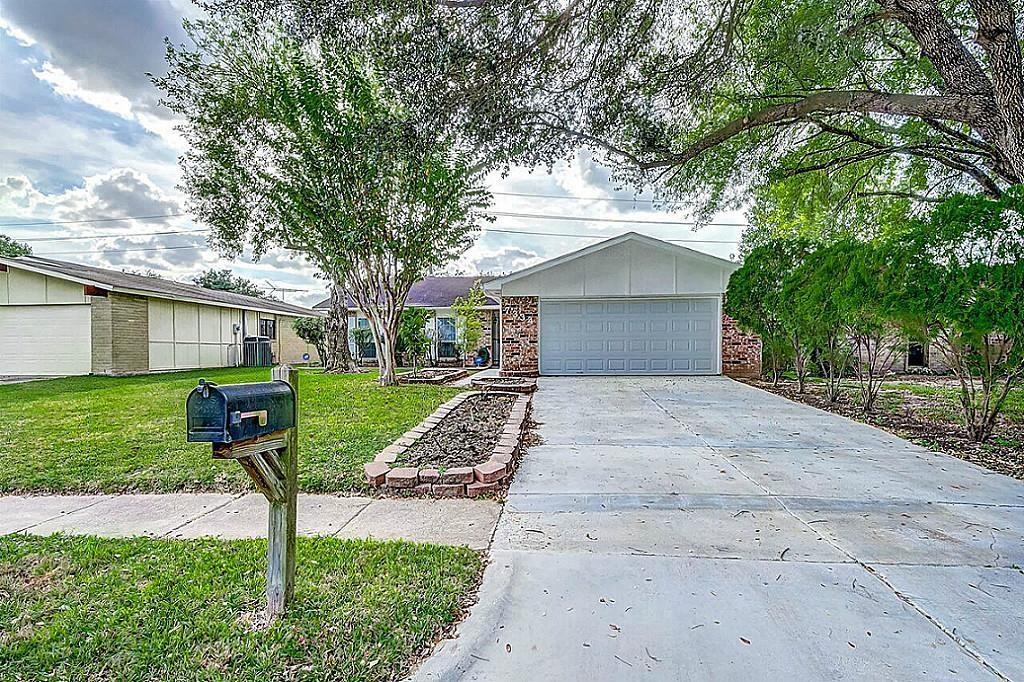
x: 59, y: 318
x: 628, y: 305
x: 437, y: 295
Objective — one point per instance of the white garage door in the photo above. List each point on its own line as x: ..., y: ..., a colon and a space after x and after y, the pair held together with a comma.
x: 45, y: 339
x: 630, y: 336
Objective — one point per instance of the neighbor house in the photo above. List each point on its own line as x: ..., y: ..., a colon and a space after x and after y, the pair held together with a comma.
x: 59, y: 318
x: 437, y: 295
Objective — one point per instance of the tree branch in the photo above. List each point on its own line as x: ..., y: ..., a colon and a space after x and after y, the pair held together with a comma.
x: 950, y: 107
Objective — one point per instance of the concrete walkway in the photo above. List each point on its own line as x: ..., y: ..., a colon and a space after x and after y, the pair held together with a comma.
x: 701, y: 529
x: 446, y: 522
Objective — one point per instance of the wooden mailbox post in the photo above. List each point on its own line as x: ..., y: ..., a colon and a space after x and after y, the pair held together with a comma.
x: 283, y: 512
x: 271, y: 461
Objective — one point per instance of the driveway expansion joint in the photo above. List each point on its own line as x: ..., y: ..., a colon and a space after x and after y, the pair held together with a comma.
x: 948, y: 632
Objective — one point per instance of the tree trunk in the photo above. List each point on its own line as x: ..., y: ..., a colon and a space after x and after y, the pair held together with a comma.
x: 337, y: 358
x: 799, y: 364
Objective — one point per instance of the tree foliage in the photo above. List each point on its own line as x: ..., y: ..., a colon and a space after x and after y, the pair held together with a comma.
x: 868, y: 293
x: 812, y: 291
x: 757, y: 299
x: 955, y: 278
x: 313, y: 331
x: 225, y: 280
x: 413, y: 340
x: 13, y: 249
x: 296, y: 142
x: 469, y: 320
x: 965, y: 291
x: 832, y: 101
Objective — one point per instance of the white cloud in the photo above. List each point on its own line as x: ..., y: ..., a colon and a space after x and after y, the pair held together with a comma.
x: 66, y: 86
x: 24, y: 39
x: 499, y: 261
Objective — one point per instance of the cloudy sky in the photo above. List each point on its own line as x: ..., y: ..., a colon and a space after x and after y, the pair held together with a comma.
x: 83, y: 137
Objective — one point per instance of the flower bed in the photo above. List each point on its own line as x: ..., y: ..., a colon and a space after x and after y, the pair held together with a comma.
x: 509, y: 384
x: 433, y: 375
x: 465, y: 448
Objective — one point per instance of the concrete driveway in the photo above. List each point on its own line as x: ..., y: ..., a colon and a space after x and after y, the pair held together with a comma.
x: 701, y: 529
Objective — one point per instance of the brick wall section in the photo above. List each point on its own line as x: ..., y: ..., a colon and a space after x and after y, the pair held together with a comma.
x: 290, y: 347
x: 129, y: 324
x: 741, y: 352
x: 519, y: 336
x: 102, y: 359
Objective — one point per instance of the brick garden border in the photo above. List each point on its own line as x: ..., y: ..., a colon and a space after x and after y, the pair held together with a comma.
x: 451, y: 374
x: 493, y: 384
x: 465, y: 481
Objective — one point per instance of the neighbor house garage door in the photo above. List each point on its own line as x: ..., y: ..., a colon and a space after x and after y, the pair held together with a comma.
x: 45, y: 339
x: 630, y: 336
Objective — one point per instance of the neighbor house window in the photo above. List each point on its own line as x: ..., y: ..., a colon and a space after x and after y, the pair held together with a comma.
x: 916, y: 355
x: 446, y: 337
x: 268, y: 328
x: 368, y: 350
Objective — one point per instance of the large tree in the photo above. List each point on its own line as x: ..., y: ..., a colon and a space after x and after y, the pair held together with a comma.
x: 299, y: 143
x: 836, y: 100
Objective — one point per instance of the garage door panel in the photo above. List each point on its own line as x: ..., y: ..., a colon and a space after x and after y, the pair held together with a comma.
x: 46, y: 340
x: 654, y: 336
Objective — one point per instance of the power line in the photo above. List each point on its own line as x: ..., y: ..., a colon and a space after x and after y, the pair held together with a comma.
x: 95, y: 220
x: 597, y: 237
x: 566, y: 196
x: 152, y: 248
x: 108, y: 236
x: 545, y: 216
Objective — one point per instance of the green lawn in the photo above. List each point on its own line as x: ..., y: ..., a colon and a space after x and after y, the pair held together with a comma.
x: 107, y: 434
x: 83, y: 608
x: 949, y: 398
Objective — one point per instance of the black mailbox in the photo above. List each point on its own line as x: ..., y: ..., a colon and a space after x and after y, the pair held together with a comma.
x: 238, y: 412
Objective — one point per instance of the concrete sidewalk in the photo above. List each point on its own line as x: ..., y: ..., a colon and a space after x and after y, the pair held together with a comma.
x: 445, y: 522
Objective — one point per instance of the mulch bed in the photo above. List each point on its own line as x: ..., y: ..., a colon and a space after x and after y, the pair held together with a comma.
x: 517, y: 384
x: 465, y: 437
x: 438, y: 375
x: 915, y: 418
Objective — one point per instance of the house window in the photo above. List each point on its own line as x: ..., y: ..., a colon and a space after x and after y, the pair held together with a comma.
x: 268, y: 328
x: 446, y: 337
x: 916, y: 356
x: 367, y: 350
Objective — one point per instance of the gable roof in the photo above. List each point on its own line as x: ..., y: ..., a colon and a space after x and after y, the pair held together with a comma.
x: 435, y: 292
x: 128, y: 283
x: 496, y: 284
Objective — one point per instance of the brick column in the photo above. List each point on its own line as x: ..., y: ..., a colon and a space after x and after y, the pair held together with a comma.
x: 741, y: 352
x: 519, y: 332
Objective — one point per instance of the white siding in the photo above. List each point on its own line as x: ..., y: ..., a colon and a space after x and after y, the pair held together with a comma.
x: 21, y: 287
x: 630, y: 268
x: 190, y: 335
